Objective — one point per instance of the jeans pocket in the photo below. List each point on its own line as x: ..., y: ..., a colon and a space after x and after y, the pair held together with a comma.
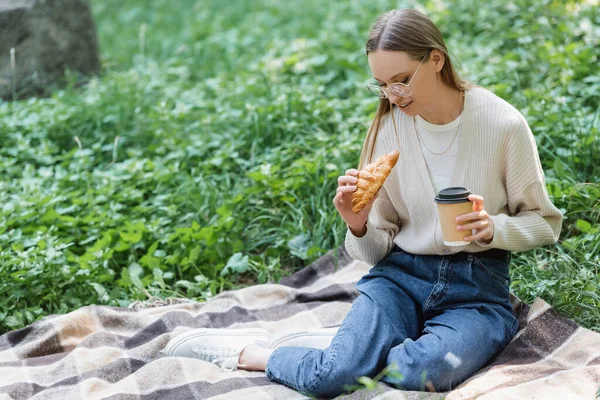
x: 496, y: 269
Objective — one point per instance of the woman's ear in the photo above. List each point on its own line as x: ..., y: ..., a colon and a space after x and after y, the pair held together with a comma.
x: 438, y: 59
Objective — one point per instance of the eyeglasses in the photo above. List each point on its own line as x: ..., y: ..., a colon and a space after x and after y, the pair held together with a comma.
x: 398, y: 88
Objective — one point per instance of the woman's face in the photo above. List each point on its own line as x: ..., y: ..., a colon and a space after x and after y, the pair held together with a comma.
x: 396, y: 66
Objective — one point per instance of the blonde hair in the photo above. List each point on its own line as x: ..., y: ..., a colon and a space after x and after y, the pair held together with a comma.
x: 412, y: 32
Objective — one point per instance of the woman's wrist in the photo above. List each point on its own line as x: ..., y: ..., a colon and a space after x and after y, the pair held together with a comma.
x: 358, y: 232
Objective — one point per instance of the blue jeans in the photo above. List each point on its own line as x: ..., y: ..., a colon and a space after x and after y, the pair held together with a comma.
x: 438, y: 318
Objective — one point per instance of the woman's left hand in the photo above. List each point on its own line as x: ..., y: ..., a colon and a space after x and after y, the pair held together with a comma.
x: 478, y: 220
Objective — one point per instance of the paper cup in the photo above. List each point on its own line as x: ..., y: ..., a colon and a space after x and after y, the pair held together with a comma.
x: 451, y: 203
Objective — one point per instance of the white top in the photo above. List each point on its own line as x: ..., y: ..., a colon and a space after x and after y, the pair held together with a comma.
x: 439, y: 139
x: 497, y: 158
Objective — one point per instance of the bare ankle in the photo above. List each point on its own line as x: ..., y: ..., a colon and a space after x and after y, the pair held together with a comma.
x: 254, y: 357
x: 248, y: 351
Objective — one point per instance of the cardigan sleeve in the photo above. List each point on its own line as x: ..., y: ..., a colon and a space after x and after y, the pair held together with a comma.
x: 382, y: 226
x: 533, y: 220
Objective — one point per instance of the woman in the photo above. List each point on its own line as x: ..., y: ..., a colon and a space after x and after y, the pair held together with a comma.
x: 438, y: 313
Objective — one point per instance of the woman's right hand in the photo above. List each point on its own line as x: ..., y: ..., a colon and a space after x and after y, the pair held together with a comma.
x: 343, y: 203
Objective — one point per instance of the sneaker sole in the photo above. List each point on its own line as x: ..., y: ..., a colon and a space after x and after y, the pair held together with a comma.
x: 277, y: 339
x: 194, y: 333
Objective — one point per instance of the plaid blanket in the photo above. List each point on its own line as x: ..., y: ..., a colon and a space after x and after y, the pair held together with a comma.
x: 100, y: 352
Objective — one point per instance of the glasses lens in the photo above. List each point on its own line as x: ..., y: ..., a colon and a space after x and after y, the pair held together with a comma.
x: 377, y: 90
x: 400, y: 89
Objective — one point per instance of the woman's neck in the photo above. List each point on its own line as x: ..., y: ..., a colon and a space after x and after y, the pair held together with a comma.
x: 445, y: 107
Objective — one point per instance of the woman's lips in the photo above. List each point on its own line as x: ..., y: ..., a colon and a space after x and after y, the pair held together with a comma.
x: 405, y: 108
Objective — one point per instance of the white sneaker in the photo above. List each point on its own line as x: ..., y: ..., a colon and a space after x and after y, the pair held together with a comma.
x: 316, y: 338
x: 221, y: 347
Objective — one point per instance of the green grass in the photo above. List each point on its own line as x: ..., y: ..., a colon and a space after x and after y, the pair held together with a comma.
x: 206, y: 156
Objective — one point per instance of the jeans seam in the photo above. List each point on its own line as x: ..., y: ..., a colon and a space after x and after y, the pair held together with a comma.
x: 431, y: 296
x: 448, y: 283
x: 514, y: 327
x: 513, y: 332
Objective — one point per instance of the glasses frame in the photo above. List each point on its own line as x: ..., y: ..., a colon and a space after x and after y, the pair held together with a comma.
x: 398, y: 88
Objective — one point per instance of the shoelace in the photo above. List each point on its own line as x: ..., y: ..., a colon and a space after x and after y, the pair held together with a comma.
x: 228, y: 364
x: 224, y: 357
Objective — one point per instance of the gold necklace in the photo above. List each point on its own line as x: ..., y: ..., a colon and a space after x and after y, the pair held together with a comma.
x: 455, y: 135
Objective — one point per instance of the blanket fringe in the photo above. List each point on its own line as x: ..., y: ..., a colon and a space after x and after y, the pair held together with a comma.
x: 155, y: 301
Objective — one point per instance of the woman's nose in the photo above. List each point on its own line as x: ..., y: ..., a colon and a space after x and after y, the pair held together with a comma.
x: 394, y: 98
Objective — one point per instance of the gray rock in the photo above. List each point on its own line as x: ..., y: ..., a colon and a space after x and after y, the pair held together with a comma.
x: 49, y: 37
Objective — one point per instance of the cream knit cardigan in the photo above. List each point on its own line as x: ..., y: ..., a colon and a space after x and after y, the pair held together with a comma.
x: 497, y: 159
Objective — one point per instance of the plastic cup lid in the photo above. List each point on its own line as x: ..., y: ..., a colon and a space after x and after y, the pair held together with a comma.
x: 453, y: 195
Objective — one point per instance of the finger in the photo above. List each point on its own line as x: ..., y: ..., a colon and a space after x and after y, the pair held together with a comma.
x: 352, y: 172
x: 338, y: 197
x: 346, y: 189
x: 346, y: 180
x: 480, y: 235
x: 483, y: 223
x: 338, y: 200
x: 474, y: 215
x: 477, y: 202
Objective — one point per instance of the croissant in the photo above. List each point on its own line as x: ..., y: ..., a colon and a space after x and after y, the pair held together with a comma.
x: 371, y: 178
